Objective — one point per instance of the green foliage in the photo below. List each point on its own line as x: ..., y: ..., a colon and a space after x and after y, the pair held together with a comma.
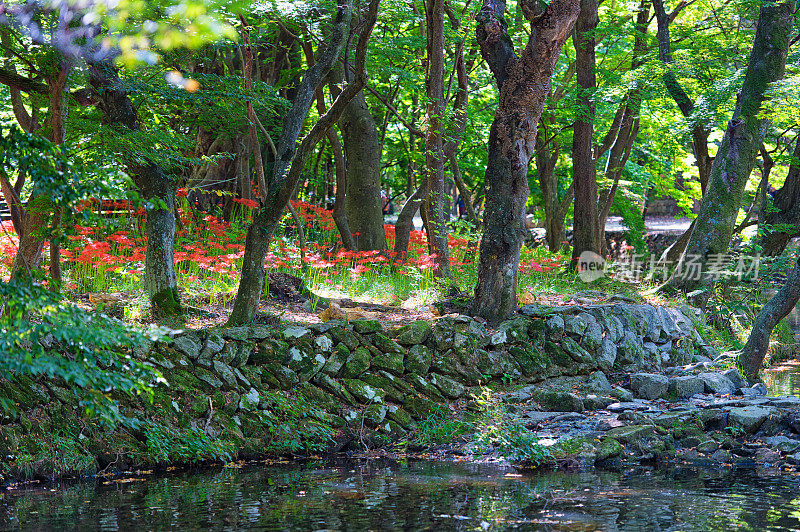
x: 294, y: 424
x: 186, y: 445
x: 495, y: 426
x: 439, y: 427
x: 41, y: 334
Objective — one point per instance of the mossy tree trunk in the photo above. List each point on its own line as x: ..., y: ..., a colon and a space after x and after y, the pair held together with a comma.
x: 155, y: 186
x: 524, y: 83
x: 778, y: 307
x: 738, y: 150
x: 362, y: 151
x: 783, y: 221
x: 584, y: 165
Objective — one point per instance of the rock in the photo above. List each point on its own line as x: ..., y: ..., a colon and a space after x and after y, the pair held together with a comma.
x: 414, y: 333
x: 337, y: 360
x: 418, y: 360
x: 631, y: 433
x: 387, y: 345
x: 294, y: 331
x: 243, y: 354
x: 733, y: 375
x: 626, y: 406
x: 208, y: 378
x: 228, y: 353
x: 592, y: 337
x: 214, y: 344
x: 305, y: 364
x: 391, y: 362
x: 367, y: 326
x: 767, y: 456
x: 575, y: 325
x: 783, y: 444
x: 608, y: 424
x: 620, y: 393
x: 793, y: 421
x: 249, y: 401
x: 519, y: 396
x: 597, y: 383
x: 722, y: 456
x: 649, y: 385
x: 595, y: 402
x: 363, y: 392
x: 716, y: 383
x: 357, y: 363
x: 555, y: 400
x: 555, y: 327
x: 189, y: 344
x: 749, y: 418
x: 449, y: 387
x: 335, y: 388
x: 788, y: 401
x: 608, y: 448
x: 270, y: 351
x: 533, y: 418
x: 607, y: 355
x: 685, y: 386
x: 400, y: 416
x: 374, y: 414
x: 324, y: 343
x: 574, y: 350
x: 708, y: 446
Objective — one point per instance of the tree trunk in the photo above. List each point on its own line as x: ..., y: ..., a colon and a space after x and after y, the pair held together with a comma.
x: 777, y: 308
x: 291, y: 158
x: 555, y: 225
x: 362, y: 155
x: 584, y: 166
x: 524, y: 84
x: 434, y: 203
x: 787, y: 204
x: 737, y: 153
x: 405, y: 222
x: 156, y: 187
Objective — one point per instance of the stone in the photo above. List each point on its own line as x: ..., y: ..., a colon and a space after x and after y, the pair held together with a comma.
x: 783, y: 444
x: 363, y: 392
x: 765, y: 455
x: 607, y: 354
x: 243, y: 354
x: 270, y: 351
x: 391, y: 362
x: 449, y: 387
x: 793, y: 421
x: 574, y: 350
x: 533, y: 418
x: 749, y: 418
x: 374, y: 414
x: 367, y: 326
x: 418, y: 360
x: 597, y: 383
x: 249, y: 401
x: 608, y: 448
x: 627, y: 406
x: 787, y: 401
x: 708, y: 446
x: 559, y: 401
x: 208, y: 378
x: 518, y: 396
x: 305, y: 364
x: 733, y: 375
x: 294, y: 331
x: 592, y: 337
x: 324, y: 343
x: 414, y: 333
x: 596, y: 402
x: 575, y: 325
x: 335, y: 388
x: 387, y: 345
x: 649, y: 385
x: 716, y: 383
x: 722, y: 456
x: 685, y: 386
x: 631, y: 433
x: 621, y: 394
x: 189, y: 344
x: 337, y: 360
x: 400, y: 416
x: 555, y: 327
x: 241, y: 378
x: 228, y: 353
x: 345, y: 336
x: 357, y: 363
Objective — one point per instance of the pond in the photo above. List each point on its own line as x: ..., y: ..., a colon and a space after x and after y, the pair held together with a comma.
x: 388, y: 495
x: 783, y: 379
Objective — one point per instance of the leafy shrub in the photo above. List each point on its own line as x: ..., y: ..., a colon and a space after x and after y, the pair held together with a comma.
x: 438, y: 428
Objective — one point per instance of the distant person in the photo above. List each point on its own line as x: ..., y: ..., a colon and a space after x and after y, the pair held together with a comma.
x: 460, y: 206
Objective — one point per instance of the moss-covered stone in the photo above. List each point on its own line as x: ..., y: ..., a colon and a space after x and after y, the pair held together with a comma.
x: 387, y: 345
x: 400, y: 416
x: 367, y: 326
x: 558, y: 401
x: 449, y: 387
x: 345, y: 336
x: 335, y: 388
x: 374, y: 414
x: 391, y: 362
x: 608, y: 448
x: 557, y: 354
x: 418, y: 360
x: 304, y: 363
x: 414, y: 333
x: 207, y: 377
x: 270, y: 352
x: 336, y: 360
x: 357, y: 363
x: 363, y: 392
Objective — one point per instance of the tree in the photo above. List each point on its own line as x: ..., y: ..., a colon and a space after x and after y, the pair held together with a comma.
x: 738, y: 150
x: 524, y: 83
x: 291, y: 158
x: 783, y: 220
x: 584, y: 165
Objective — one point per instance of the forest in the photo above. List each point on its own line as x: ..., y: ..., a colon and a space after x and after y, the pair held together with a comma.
x: 229, y: 165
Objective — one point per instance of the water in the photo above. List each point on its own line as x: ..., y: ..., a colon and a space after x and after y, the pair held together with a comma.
x: 783, y: 379
x: 418, y: 495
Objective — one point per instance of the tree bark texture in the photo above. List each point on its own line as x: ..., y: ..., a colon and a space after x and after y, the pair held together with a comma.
x: 362, y: 155
x: 778, y: 307
x: 584, y: 166
x: 155, y: 186
x: 405, y: 222
x: 737, y: 153
x: 434, y: 202
x: 786, y: 203
x: 524, y: 84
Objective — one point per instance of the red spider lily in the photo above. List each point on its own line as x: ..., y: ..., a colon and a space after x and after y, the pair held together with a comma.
x: 253, y: 204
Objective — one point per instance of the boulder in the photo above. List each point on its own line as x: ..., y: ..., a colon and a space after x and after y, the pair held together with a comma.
x: 597, y: 383
x: 733, y: 375
x: 555, y: 327
x: 685, y: 386
x: 749, y: 418
x: 357, y: 363
x: 418, y: 360
x: 717, y: 383
x: 449, y: 387
x: 558, y: 401
x: 649, y: 385
x: 414, y: 333
x: 367, y: 326
x: 189, y: 344
x: 608, y: 448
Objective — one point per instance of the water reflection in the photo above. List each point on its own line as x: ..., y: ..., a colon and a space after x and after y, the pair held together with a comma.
x: 783, y: 379
x: 389, y: 495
